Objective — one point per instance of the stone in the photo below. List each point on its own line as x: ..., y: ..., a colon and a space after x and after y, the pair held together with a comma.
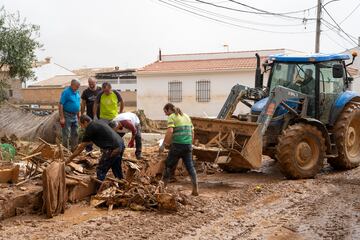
x: 167, y: 201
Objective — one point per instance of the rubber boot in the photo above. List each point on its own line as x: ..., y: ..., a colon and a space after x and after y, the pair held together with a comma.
x: 195, y: 189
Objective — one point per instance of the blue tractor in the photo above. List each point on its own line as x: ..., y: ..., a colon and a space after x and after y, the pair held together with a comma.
x: 305, y: 114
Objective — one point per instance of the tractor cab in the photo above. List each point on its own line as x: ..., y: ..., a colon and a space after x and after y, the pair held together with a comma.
x: 323, y: 78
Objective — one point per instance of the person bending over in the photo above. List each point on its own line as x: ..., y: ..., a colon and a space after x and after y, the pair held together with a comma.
x: 111, y: 145
x: 129, y: 122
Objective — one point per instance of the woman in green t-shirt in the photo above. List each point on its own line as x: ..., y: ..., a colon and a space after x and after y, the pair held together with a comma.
x: 179, y: 137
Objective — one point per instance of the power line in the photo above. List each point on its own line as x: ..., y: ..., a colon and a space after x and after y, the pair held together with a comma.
x: 189, y: 1
x: 334, y: 41
x: 268, y: 12
x: 181, y: 2
x: 228, y: 23
x: 331, y: 28
x: 334, y: 27
x: 262, y: 12
x: 339, y: 27
x: 351, y: 13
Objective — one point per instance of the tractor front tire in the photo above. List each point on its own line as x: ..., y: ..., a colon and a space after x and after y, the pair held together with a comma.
x: 301, y: 151
x: 347, y: 135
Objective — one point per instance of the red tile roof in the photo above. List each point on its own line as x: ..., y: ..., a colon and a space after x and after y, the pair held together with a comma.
x: 208, y: 65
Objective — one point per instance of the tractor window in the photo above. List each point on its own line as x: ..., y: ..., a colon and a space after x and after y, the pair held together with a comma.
x: 330, y: 88
x: 280, y: 73
x: 329, y: 84
x: 297, y: 76
x: 305, y: 79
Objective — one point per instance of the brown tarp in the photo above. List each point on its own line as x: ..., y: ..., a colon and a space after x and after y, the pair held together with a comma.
x: 54, y: 189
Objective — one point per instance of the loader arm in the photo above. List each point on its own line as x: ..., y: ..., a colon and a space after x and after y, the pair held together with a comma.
x: 236, y: 94
x: 280, y: 96
x: 240, y: 93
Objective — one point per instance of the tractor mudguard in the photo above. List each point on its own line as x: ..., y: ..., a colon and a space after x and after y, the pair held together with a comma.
x: 319, y: 125
x: 340, y: 103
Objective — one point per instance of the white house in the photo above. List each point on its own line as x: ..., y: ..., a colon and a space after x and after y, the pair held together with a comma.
x: 121, y: 80
x: 197, y: 83
x: 354, y: 69
x: 44, y: 70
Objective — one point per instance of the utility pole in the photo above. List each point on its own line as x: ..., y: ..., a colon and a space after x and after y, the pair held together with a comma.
x: 318, y: 25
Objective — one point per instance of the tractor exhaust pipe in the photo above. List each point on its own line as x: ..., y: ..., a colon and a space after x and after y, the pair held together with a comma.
x: 258, y: 76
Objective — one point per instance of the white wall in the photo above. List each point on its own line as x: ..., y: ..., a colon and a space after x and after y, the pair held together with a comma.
x: 356, y: 84
x: 152, y: 92
x: 118, y: 85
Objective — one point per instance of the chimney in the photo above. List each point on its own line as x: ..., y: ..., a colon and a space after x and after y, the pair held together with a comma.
x: 160, y: 57
x: 47, y: 59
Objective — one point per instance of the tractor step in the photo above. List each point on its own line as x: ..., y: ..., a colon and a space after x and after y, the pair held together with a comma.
x: 333, y: 147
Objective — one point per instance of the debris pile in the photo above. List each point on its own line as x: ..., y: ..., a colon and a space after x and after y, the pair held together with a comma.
x: 28, y: 182
x: 137, y: 193
x: 40, y: 158
x: 141, y: 189
x: 38, y: 178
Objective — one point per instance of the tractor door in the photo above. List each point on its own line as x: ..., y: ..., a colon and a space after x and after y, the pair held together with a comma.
x: 304, y: 82
x: 330, y: 89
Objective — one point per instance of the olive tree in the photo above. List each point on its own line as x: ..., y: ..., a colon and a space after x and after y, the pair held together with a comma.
x: 18, y: 43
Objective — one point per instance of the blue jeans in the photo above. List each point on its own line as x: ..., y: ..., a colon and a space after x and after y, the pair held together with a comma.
x: 110, y: 159
x: 177, y: 151
x: 70, y: 135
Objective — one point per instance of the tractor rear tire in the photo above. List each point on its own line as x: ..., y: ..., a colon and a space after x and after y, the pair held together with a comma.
x: 301, y: 151
x: 347, y: 135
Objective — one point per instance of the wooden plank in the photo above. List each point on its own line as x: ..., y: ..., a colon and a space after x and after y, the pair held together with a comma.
x: 31, y: 156
x: 10, y: 174
x: 76, y: 167
x: 80, y: 181
x: 26, y: 180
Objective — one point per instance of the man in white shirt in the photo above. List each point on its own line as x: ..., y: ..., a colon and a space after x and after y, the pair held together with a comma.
x: 129, y: 122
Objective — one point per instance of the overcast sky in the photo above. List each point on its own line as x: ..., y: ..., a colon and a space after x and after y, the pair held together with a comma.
x: 128, y: 33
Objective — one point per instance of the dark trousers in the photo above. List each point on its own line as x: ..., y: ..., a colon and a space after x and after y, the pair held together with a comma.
x: 177, y: 151
x: 138, y: 142
x: 110, y: 159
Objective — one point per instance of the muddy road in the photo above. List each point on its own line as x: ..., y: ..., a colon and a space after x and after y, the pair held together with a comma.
x: 254, y: 205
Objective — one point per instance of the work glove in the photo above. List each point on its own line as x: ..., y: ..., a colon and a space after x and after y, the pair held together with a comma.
x: 131, y: 143
x: 62, y: 122
x: 162, y: 148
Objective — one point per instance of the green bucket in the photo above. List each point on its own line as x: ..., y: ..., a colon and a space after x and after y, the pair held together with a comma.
x: 8, y: 151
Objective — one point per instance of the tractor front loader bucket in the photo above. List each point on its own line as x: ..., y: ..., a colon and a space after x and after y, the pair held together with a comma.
x: 232, y: 144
